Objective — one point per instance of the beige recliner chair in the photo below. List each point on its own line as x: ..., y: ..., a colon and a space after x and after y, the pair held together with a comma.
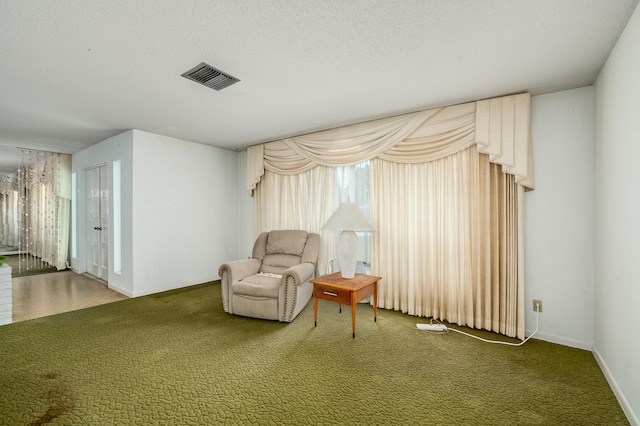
x: 274, y: 283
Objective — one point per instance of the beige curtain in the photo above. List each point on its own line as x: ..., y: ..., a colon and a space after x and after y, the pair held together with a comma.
x: 461, y: 261
x: 302, y: 201
x: 448, y: 248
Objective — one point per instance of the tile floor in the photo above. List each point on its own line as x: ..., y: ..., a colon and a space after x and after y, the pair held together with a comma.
x: 53, y: 293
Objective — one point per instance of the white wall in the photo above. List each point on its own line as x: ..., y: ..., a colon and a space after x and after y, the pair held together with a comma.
x: 179, y: 217
x: 560, y: 218
x: 245, y: 211
x: 617, y: 201
x: 184, y: 212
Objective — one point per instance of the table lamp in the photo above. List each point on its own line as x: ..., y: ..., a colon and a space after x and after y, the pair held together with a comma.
x: 348, y: 218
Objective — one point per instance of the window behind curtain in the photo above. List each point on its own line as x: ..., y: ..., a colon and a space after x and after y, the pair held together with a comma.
x: 351, y: 183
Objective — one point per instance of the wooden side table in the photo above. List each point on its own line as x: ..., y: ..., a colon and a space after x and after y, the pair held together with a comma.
x: 349, y: 291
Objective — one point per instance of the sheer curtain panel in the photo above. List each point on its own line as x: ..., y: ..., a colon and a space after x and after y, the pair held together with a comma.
x: 303, y: 201
x: 448, y: 249
x: 9, y: 214
x: 44, y: 185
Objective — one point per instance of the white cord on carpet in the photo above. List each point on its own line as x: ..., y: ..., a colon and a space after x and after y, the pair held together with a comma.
x: 498, y: 341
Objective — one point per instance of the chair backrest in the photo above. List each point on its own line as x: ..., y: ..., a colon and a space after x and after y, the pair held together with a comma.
x: 279, y: 250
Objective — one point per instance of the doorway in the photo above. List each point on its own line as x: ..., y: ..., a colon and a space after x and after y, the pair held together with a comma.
x: 97, y: 222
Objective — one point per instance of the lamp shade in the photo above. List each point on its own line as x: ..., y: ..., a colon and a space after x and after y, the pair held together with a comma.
x: 349, y: 217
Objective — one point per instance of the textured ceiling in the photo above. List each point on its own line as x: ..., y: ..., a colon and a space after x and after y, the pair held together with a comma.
x: 75, y: 72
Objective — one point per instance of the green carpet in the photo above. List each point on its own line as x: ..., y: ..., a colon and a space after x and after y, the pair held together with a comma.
x: 177, y: 359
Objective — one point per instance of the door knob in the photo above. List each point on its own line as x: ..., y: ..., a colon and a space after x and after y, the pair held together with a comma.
x: 97, y: 228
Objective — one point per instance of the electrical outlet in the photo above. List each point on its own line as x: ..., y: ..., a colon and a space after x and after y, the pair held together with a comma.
x: 537, y: 305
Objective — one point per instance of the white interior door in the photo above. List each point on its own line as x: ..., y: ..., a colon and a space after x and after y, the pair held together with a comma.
x: 97, y: 222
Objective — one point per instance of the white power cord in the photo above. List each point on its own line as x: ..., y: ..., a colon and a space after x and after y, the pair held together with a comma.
x: 445, y: 328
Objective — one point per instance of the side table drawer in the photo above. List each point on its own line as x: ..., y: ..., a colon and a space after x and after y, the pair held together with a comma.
x: 330, y: 293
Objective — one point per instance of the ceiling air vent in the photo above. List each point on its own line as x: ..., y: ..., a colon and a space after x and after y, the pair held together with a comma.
x: 210, y: 77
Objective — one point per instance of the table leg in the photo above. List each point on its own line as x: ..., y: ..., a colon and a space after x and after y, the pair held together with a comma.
x: 375, y: 301
x: 353, y: 313
x: 315, y: 311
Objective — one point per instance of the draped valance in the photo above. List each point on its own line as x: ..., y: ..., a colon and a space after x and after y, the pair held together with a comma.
x: 48, y: 168
x: 500, y: 127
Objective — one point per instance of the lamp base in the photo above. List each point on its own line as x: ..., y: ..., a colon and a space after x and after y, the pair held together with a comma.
x: 348, y: 254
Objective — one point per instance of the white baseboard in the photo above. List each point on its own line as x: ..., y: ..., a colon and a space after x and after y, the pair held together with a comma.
x: 552, y: 338
x: 624, y: 403
x: 120, y: 290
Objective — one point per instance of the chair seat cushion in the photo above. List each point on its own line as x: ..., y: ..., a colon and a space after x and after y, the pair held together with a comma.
x: 278, y: 263
x: 258, y: 286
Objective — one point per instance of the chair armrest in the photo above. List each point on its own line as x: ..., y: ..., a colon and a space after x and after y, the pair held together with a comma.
x: 239, y: 269
x: 300, y: 273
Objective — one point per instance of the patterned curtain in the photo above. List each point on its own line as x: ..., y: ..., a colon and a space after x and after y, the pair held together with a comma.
x: 44, y: 199
x: 8, y: 211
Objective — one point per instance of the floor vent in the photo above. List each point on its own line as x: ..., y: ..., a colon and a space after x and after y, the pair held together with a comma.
x: 210, y: 76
